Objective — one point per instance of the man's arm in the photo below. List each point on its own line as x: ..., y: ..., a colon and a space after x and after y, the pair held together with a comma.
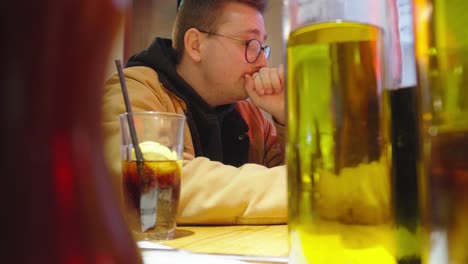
x: 214, y: 193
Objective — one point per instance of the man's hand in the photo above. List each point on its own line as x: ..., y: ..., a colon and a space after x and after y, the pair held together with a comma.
x: 265, y: 89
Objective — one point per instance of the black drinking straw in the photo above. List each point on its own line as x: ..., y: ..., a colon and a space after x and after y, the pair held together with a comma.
x: 131, y: 125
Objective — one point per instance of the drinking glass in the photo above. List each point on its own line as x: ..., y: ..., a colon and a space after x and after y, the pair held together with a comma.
x: 151, y: 189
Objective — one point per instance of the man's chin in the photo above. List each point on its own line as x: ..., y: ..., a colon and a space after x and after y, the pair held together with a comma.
x: 235, y: 99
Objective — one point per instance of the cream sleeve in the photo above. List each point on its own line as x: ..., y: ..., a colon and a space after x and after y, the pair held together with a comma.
x: 214, y: 193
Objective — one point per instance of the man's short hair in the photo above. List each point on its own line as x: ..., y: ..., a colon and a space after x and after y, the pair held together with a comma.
x: 203, y: 14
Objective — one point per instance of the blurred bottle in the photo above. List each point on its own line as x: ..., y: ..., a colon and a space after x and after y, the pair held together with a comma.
x: 441, y: 42
x: 405, y: 133
x: 60, y: 206
x: 338, y: 149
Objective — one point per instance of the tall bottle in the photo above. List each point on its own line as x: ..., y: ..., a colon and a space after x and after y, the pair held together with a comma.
x: 338, y: 145
x: 441, y: 42
x: 60, y: 204
x: 401, y: 86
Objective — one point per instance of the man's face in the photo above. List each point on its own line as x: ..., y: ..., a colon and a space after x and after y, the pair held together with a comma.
x: 223, y: 61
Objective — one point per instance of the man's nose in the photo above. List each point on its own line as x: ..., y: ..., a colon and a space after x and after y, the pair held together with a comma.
x: 262, y: 60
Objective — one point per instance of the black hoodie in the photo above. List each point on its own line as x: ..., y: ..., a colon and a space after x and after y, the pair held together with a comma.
x: 218, y: 133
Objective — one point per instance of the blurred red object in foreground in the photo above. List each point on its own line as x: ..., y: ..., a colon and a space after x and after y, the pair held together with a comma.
x: 59, y: 203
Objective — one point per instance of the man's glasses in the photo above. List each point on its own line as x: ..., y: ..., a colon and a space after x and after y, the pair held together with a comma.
x: 253, y: 47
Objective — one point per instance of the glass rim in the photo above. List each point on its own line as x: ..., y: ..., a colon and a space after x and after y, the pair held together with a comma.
x: 154, y: 114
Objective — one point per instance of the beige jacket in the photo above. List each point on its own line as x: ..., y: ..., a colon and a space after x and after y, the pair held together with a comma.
x: 211, y: 192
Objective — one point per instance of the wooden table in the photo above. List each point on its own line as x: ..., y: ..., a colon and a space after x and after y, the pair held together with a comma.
x: 271, y: 240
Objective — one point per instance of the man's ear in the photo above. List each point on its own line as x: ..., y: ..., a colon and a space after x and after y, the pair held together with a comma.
x: 192, y: 41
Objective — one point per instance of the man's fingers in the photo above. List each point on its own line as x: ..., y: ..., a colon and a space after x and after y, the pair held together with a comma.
x: 250, y: 86
x: 249, y: 83
x: 258, y: 84
x: 275, y: 81
x: 264, y: 76
x: 269, y: 80
x: 281, y: 72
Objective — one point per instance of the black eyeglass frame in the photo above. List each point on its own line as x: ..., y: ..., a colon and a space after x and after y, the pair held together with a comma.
x: 266, y: 49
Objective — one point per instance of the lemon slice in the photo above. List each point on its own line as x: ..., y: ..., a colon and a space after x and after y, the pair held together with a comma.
x: 154, y: 151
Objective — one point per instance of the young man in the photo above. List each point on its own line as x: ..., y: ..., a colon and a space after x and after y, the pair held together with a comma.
x: 216, y: 61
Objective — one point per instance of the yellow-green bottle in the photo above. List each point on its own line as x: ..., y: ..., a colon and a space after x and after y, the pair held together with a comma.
x: 442, y: 61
